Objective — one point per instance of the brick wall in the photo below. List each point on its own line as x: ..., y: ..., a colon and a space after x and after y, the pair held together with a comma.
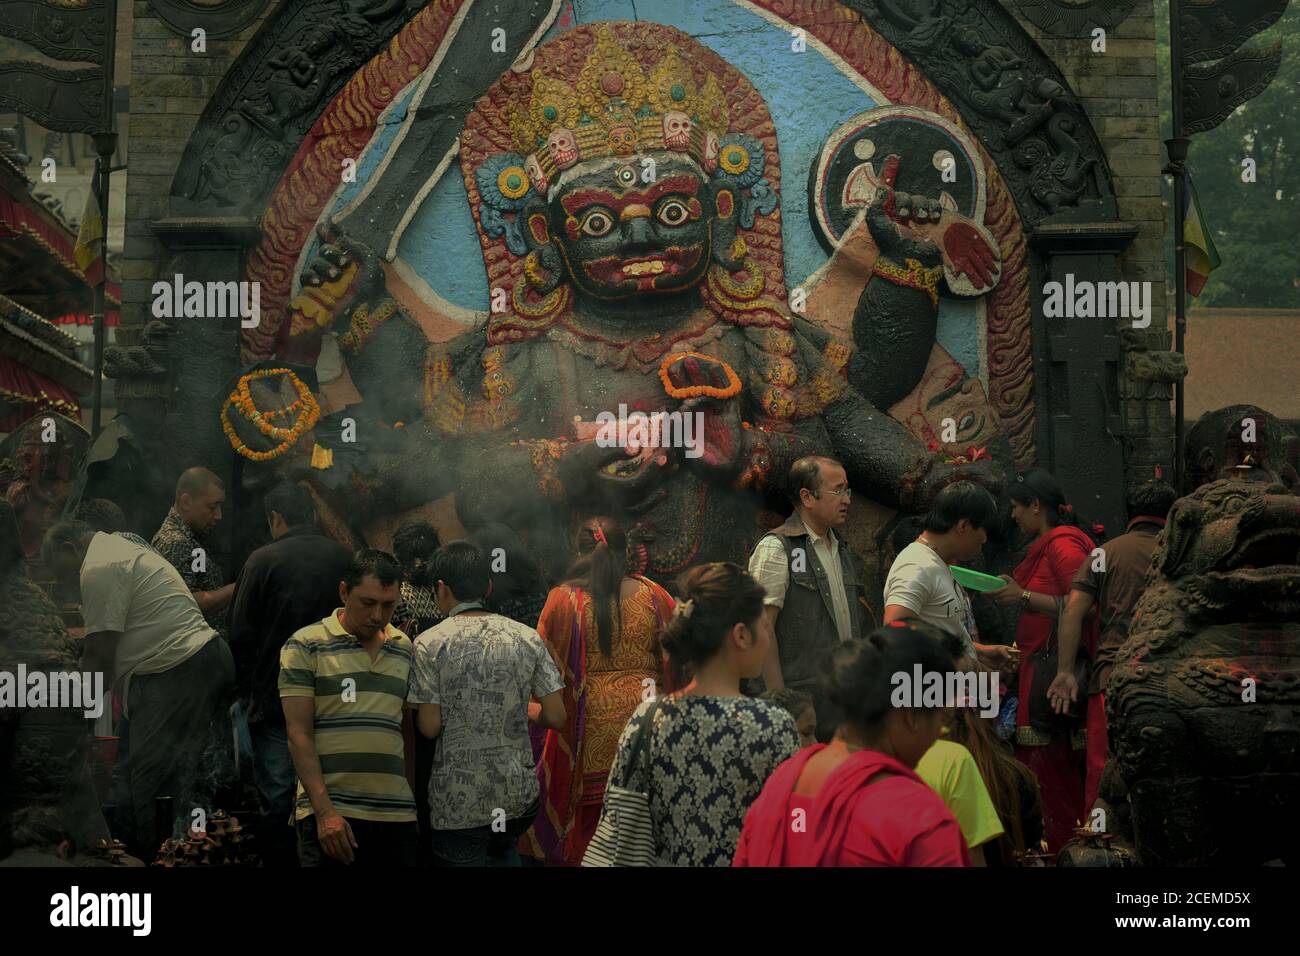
x: 170, y: 86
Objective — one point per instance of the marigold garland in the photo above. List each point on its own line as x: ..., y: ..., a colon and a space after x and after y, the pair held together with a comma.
x: 696, y: 391
x: 242, y: 399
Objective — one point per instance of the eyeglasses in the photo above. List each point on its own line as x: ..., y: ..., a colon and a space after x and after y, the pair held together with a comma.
x: 841, y: 493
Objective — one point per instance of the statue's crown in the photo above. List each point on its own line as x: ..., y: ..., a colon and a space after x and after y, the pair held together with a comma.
x: 617, y: 108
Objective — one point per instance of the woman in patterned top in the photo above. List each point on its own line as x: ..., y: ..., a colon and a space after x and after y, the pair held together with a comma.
x: 603, y: 629
x: 710, y: 749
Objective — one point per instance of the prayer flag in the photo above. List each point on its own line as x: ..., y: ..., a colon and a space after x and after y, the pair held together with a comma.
x: 89, y: 250
x: 1201, y: 256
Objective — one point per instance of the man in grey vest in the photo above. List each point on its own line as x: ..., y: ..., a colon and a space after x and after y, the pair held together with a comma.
x: 812, y: 586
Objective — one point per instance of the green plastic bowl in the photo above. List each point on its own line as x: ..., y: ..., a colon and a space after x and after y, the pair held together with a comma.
x: 976, y: 580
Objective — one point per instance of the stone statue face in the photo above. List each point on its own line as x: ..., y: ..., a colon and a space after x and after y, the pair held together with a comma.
x: 622, y: 237
x: 946, y: 392
x: 1238, y: 536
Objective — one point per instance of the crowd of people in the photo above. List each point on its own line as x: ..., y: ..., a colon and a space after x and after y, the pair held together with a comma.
x: 442, y: 705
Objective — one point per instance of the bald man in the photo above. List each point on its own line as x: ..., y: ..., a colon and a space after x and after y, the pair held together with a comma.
x: 182, y: 540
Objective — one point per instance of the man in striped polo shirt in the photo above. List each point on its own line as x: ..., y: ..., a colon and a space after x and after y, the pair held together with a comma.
x: 343, y: 682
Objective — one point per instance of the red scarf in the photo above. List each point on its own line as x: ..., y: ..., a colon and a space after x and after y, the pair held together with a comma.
x: 1034, y: 629
x: 768, y: 822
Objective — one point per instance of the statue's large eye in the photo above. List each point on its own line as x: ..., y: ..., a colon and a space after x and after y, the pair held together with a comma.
x: 673, y: 212
x: 597, y: 223
x: 966, y: 422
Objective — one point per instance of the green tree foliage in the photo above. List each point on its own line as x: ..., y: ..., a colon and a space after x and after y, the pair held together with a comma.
x: 1256, y: 226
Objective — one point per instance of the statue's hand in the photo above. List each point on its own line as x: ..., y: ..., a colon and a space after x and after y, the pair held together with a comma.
x: 901, y: 223
x: 709, y: 389
x: 343, y: 273
x: 969, y: 254
x: 715, y: 436
x: 613, y: 478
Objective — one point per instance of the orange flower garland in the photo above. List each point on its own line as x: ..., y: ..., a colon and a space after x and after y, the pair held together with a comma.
x: 242, y: 398
x: 696, y: 391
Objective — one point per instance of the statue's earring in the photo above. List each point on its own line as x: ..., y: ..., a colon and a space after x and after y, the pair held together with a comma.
x: 728, y: 248
x: 533, y: 271
x: 543, y: 267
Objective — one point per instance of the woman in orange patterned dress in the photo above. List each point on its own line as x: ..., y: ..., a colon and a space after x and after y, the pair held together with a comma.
x: 602, y: 627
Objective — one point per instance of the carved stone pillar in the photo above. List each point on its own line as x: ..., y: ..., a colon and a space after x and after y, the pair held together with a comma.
x: 1150, y: 371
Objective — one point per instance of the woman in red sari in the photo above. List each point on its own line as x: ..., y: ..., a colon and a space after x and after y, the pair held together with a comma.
x: 1039, y: 584
x: 603, y: 628
x: 857, y: 801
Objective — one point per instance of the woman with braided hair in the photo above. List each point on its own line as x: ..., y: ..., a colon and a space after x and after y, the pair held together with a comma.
x: 602, y: 626
x: 1059, y: 545
x: 709, y: 749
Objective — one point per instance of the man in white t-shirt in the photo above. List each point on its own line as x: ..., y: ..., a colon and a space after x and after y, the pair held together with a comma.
x: 173, y: 674
x: 921, y: 587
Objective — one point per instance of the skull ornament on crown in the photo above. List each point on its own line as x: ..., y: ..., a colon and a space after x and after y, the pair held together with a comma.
x: 677, y: 130
x: 562, y: 147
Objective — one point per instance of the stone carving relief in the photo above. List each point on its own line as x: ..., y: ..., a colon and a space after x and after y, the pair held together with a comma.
x: 1075, y: 18
x: 1010, y: 94
x: 74, y: 33
x: 274, y: 93
x: 220, y: 18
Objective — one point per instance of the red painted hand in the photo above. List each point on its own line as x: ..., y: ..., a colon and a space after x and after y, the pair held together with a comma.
x: 969, y: 253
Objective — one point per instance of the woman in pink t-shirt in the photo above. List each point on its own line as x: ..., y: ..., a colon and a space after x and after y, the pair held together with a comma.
x: 857, y: 801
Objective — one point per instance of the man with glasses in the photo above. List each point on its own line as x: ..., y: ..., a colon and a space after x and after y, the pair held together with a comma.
x: 812, y: 586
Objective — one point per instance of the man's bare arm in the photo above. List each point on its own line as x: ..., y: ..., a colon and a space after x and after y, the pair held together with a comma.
x: 332, y: 830
x: 1070, y: 631
x: 428, y: 718
x: 551, y: 713
x: 1064, y: 689
x: 898, y: 612
x: 218, y: 600
x: 299, y: 718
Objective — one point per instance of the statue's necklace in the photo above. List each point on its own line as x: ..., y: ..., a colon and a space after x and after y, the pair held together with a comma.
x: 643, y: 354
